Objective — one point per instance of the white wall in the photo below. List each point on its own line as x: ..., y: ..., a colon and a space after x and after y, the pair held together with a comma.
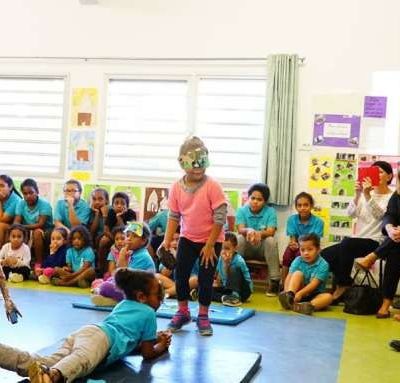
x: 343, y: 41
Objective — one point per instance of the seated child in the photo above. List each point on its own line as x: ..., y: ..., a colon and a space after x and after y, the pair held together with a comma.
x: 233, y: 284
x: 99, y: 203
x: 299, y: 224
x: 80, y: 261
x: 118, y: 215
x: 119, y: 242
x: 257, y: 224
x: 8, y: 303
x: 305, y: 284
x: 166, y: 276
x: 132, y: 324
x: 56, y: 257
x: 133, y: 255
x: 15, y: 256
x: 35, y: 214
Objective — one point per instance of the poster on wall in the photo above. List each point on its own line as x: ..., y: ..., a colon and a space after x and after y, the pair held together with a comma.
x: 81, y: 149
x: 232, y: 197
x: 84, y: 107
x: 344, y: 175
x: 155, y: 199
x: 375, y: 107
x: 336, y: 130
x: 320, y: 175
x: 45, y: 190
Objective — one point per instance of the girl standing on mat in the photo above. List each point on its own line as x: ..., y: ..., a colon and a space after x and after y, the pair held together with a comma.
x: 131, y: 324
x: 198, y: 203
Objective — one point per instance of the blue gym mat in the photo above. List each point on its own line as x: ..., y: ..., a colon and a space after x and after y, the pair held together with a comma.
x: 219, y: 314
x: 182, y: 364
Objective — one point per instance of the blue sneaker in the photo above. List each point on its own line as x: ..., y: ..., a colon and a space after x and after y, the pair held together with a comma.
x: 179, y: 320
x: 204, y: 325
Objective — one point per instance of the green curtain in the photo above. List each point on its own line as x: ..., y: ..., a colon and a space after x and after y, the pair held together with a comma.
x: 281, y: 119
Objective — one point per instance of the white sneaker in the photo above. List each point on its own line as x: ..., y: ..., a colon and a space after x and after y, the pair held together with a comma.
x: 15, y: 278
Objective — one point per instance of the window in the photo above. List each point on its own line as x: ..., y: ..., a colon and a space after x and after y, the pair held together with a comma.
x: 31, y: 125
x: 147, y: 120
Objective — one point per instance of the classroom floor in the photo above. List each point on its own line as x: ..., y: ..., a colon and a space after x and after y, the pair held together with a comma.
x: 329, y: 347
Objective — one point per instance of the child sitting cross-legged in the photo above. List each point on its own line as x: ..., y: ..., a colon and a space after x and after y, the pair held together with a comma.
x: 233, y: 284
x: 133, y: 255
x: 305, y: 284
x: 15, y: 256
x: 80, y: 261
x: 131, y: 325
x: 56, y: 257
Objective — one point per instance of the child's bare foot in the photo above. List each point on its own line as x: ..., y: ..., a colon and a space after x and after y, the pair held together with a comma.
x: 366, y: 262
x: 397, y: 317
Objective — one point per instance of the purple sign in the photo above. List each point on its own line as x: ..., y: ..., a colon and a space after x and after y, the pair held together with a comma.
x: 375, y: 107
x: 336, y: 130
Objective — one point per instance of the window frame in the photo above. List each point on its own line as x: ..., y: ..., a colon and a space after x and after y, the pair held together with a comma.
x: 60, y: 174
x: 193, y: 80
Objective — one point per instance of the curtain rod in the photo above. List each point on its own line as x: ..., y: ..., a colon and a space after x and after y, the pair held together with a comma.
x: 301, y: 59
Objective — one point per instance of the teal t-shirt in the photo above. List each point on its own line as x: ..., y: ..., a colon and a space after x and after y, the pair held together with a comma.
x: 142, y: 260
x: 319, y: 269
x: 265, y: 218
x: 237, y: 263
x: 30, y: 214
x: 296, y: 228
x: 76, y: 258
x: 82, y: 209
x: 10, y: 205
x: 158, y: 224
x: 129, y: 324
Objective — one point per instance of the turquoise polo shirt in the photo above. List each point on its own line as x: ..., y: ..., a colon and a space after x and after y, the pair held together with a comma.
x: 236, y: 263
x: 319, y: 269
x: 265, y: 218
x: 30, y: 214
x: 10, y: 205
x: 82, y: 209
x: 142, y: 260
x: 76, y: 258
x: 296, y: 228
x: 129, y: 324
x: 158, y: 224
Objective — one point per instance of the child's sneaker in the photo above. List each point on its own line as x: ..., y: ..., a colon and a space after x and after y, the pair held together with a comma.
x: 179, y: 320
x: 194, y: 295
x: 273, y: 288
x: 99, y: 300
x: 303, y: 308
x: 231, y: 300
x: 15, y: 278
x: 204, y: 325
x: 286, y: 300
x: 44, y: 280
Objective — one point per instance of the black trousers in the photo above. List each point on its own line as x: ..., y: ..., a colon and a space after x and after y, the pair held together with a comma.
x: 390, y: 251
x: 25, y: 271
x: 235, y: 283
x: 342, y: 255
x: 187, y: 254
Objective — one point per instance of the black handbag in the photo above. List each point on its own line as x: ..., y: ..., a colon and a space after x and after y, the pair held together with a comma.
x: 364, y: 298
